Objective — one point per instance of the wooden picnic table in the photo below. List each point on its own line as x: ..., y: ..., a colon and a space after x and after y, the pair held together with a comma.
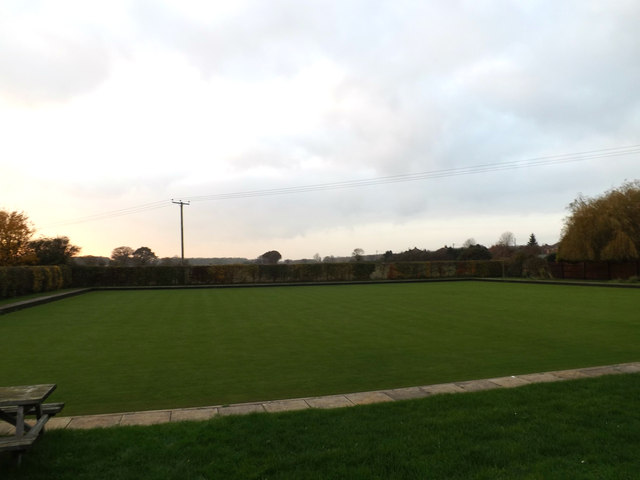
x: 16, y: 404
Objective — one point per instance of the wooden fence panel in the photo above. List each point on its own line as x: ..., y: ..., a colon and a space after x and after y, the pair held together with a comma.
x: 594, y: 270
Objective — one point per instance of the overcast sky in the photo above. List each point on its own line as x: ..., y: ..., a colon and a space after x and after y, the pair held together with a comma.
x: 108, y: 110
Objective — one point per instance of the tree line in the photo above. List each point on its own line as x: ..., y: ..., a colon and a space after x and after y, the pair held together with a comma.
x: 18, y: 248
x: 603, y: 228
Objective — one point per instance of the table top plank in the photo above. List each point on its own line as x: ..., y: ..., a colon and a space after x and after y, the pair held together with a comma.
x: 25, y: 394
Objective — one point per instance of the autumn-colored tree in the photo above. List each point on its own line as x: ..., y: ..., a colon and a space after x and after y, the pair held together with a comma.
x: 15, y: 233
x: 603, y: 228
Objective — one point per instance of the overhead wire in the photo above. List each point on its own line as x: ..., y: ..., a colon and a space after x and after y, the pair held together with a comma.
x: 113, y: 213
x: 549, y: 160
x: 451, y: 172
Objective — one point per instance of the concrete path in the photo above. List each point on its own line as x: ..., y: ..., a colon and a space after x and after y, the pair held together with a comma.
x: 330, y: 401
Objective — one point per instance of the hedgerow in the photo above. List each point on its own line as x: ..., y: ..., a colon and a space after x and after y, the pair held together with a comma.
x: 16, y: 281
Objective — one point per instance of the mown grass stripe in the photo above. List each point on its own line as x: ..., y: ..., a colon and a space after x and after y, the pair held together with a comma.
x: 146, y: 350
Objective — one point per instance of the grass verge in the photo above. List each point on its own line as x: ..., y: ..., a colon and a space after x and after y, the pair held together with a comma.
x: 581, y: 429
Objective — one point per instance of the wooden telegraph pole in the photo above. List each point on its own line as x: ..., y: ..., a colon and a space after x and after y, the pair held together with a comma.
x: 182, y: 204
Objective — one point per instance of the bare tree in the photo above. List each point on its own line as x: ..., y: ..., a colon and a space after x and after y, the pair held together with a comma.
x: 507, y: 239
x: 504, y: 247
x: 469, y: 242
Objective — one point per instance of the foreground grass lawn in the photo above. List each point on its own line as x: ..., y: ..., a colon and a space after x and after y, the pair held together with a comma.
x: 584, y: 429
x: 139, y: 350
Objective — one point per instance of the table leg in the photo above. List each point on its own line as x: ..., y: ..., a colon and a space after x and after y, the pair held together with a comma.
x: 20, y: 421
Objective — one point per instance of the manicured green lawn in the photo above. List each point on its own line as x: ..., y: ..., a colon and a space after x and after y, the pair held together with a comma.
x: 141, y: 350
x: 584, y: 429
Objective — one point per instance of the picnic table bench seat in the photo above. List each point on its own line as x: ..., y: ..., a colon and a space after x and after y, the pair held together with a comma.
x: 18, y: 402
x: 50, y: 409
x: 12, y: 443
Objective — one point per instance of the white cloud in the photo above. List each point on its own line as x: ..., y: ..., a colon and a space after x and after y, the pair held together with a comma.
x: 131, y: 102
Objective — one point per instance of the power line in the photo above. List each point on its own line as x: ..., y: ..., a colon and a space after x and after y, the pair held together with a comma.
x: 114, y: 213
x: 550, y: 160
x: 451, y: 172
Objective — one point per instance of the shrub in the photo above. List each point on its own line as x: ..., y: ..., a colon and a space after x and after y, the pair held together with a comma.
x: 536, y: 267
x: 362, y: 271
x: 16, y: 281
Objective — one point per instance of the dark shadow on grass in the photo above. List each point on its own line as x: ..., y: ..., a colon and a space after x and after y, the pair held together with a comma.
x: 584, y: 429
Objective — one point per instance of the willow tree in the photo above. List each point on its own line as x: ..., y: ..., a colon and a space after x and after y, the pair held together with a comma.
x: 605, y: 227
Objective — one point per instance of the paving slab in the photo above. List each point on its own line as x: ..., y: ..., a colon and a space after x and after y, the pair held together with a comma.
x: 443, y: 388
x: 568, y: 374
x: 408, y: 393
x: 58, y: 423
x: 54, y: 423
x: 146, y: 418
x: 243, y: 409
x: 7, y: 429
x: 95, y: 421
x: 540, y: 377
x: 366, y: 398
x: 599, y: 371
x: 285, y: 405
x: 477, y: 385
x: 330, y: 401
x: 193, y: 414
x: 509, y: 382
x: 629, y: 368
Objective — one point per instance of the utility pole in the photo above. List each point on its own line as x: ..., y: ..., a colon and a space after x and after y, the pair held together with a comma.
x: 181, y: 203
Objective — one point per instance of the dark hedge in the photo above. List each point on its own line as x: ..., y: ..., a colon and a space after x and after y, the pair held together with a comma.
x: 17, y: 281
x: 280, y: 273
